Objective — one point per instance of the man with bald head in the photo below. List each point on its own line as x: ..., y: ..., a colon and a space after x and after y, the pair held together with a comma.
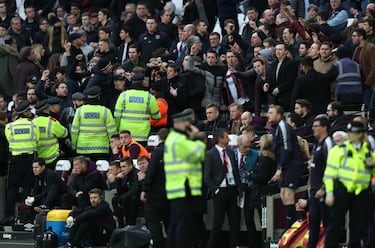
x: 246, y: 159
x: 247, y: 119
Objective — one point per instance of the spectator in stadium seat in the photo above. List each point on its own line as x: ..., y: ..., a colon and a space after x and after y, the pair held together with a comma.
x: 126, y: 201
x: 86, y: 178
x: 338, y: 15
x: 284, y: 72
x: 47, y: 188
x: 131, y: 148
x: 214, y: 119
x: 338, y: 120
x: 234, y: 122
x: 313, y: 87
x: 25, y: 68
x: 152, y: 39
x: 92, y: 225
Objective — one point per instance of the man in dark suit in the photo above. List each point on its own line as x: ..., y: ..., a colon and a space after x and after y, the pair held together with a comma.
x: 224, y: 185
x: 283, y: 73
x: 312, y: 86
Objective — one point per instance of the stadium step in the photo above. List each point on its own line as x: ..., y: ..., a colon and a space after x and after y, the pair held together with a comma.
x: 17, y: 239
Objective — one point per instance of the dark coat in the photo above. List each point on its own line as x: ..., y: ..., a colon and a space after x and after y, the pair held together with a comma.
x: 88, y: 180
x: 315, y: 87
x: 128, y: 186
x: 154, y: 182
x: 23, y: 70
x: 43, y: 183
x: 284, y: 81
x: 214, y: 170
x: 9, y: 58
x: 100, y: 215
x: 105, y: 82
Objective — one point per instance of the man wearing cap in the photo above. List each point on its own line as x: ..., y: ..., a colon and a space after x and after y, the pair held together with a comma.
x: 183, y: 157
x: 134, y: 108
x: 347, y: 178
x: 23, y: 137
x: 104, y: 79
x: 50, y: 130
x: 92, y: 127
x: 31, y: 82
x: 67, y: 114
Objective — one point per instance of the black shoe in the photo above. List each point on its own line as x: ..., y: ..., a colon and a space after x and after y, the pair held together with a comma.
x: 41, y: 208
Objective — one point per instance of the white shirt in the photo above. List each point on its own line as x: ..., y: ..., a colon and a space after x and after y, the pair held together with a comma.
x: 229, y: 176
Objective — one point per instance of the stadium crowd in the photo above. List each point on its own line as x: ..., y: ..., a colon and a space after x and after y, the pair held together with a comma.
x: 92, y: 80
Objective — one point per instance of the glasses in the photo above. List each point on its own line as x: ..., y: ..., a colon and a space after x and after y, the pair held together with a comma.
x: 315, y: 126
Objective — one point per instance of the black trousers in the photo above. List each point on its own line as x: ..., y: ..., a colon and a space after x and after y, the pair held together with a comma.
x: 51, y: 199
x: 357, y: 206
x: 20, y: 175
x: 317, y: 212
x: 225, y: 202
x: 129, y: 209
x: 185, y: 222
x: 254, y: 237
x: 156, y: 214
x: 87, y: 231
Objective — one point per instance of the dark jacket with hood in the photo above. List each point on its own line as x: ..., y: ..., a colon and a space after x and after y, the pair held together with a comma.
x: 105, y: 82
x: 87, y: 180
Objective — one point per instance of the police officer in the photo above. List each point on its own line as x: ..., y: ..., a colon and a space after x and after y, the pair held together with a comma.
x: 92, y: 127
x: 22, y: 136
x: 347, y: 179
x: 183, y: 157
x: 134, y: 108
x: 50, y: 131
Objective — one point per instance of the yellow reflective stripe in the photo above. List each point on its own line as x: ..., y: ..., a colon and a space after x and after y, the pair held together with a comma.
x: 169, y: 172
x: 331, y: 166
x: 92, y: 131
x: 92, y: 125
x: 182, y: 190
x: 347, y: 168
x: 47, y: 145
x: 139, y: 137
x: 24, y: 149
x: 135, y: 118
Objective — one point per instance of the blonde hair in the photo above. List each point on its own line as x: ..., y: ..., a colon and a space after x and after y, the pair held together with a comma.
x: 265, y: 143
x: 37, y: 50
x: 304, y: 146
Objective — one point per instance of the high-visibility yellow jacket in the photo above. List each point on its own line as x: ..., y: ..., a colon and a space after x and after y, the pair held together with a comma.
x: 92, y: 128
x: 50, y: 131
x: 132, y: 112
x: 183, y: 159
x: 346, y: 164
x: 22, y: 136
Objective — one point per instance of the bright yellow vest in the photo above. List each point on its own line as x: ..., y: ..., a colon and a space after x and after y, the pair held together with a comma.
x: 92, y: 128
x: 132, y: 112
x: 22, y: 136
x: 50, y: 131
x: 346, y: 164
x: 183, y: 160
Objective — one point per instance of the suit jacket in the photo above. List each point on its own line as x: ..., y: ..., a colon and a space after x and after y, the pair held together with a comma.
x: 214, y: 170
x: 367, y: 62
x: 284, y: 81
x: 314, y: 87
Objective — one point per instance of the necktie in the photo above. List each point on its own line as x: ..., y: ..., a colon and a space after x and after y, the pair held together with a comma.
x: 225, y: 163
x: 242, y: 162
